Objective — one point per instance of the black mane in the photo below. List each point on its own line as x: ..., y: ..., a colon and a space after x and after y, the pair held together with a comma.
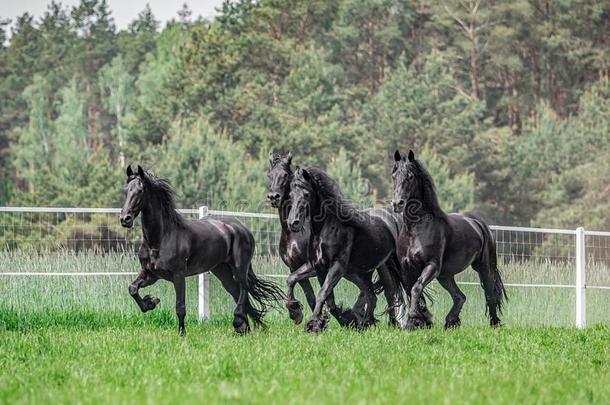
x: 332, y: 199
x: 163, y: 195
x: 428, y: 191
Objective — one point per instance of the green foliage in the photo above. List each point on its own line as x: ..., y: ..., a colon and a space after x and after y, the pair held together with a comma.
x: 117, y: 94
x: 507, y: 102
x: 416, y: 108
x: 349, y: 177
x: 208, y: 168
x: 33, y: 149
x: 455, y: 192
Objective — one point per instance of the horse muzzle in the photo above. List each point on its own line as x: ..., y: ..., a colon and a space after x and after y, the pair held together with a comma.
x: 274, y: 199
x: 127, y: 221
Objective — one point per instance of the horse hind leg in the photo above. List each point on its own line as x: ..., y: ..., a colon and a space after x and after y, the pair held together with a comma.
x: 345, y: 317
x: 493, y: 290
x: 240, y: 320
x: 367, y: 291
x: 453, y: 317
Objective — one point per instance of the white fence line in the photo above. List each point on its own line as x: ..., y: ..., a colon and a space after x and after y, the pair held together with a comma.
x: 69, y: 273
x: 204, y: 282
x: 61, y: 210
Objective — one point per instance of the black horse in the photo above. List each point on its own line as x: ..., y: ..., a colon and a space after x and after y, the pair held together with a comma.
x: 433, y: 244
x: 293, y: 250
x: 174, y: 248
x: 344, y: 242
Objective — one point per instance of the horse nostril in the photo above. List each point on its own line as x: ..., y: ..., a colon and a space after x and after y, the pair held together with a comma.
x: 295, y: 223
x: 127, y: 218
x: 401, y: 203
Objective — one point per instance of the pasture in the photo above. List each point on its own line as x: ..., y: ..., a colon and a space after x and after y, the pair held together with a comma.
x: 67, y: 339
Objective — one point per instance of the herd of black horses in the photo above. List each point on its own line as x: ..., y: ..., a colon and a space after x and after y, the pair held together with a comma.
x: 323, y: 236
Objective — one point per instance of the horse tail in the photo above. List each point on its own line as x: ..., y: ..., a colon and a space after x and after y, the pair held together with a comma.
x: 265, y: 293
x: 398, y: 308
x: 499, y: 290
x: 489, y: 260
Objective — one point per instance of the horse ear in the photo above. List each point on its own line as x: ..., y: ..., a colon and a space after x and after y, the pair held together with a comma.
x: 129, y: 171
x: 141, y: 172
x: 306, y: 174
x: 397, y: 156
x: 289, y: 157
x: 271, y: 159
x: 411, y: 156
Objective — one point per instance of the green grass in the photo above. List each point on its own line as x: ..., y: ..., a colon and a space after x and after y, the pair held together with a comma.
x: 82, y: 339
x: 527, y: 306
x: 97, y: 359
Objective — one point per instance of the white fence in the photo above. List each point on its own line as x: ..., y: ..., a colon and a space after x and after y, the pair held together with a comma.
x: 98, y: 229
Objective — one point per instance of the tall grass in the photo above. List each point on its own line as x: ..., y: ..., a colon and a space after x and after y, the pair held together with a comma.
x: 92, y: 299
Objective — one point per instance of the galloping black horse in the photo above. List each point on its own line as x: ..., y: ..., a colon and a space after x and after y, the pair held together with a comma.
x: 174, y: 248
x: 344, y: 242
x: 433, y: 244
x: 294, y: 249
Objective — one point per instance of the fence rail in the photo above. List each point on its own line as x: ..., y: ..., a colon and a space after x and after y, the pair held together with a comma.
x: 22, y: 227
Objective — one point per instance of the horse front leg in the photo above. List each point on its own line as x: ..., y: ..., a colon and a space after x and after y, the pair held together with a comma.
x: 295, y: 308
x: 180, y: 288
x: 415, y: 319
x: 318, y: 323
x: 144, y: 279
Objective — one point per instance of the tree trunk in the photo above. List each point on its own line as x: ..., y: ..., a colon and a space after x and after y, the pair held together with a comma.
x: 474, y: 68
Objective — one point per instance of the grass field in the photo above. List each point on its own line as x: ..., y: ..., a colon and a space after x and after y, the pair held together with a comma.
x: 81, y: 339
x: 88, y: 358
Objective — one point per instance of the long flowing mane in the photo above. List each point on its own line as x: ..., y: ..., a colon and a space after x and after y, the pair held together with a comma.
x: 161, y: 191
x: 428, y: 192
x: 332, y: 200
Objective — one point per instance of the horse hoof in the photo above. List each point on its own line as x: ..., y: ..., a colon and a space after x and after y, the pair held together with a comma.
x: 241, y: 325
x: 182, y: 332
x: 315, y: 326
x: 150, y: 303
x: 414, y: 324
x: 295, y: 311
x: 495, y: 323
x: 453, y: 323
x: 242, y: 329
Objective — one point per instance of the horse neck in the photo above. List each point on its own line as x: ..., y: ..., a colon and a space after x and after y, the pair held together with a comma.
x: 318, y: 219
x: 155, y: 224
x: 283, y: 210
x: 285, y: 205
x: 425, y: 211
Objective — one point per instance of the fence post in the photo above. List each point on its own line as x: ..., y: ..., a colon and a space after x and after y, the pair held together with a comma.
x: 204, y: 283
x: 581, y: 259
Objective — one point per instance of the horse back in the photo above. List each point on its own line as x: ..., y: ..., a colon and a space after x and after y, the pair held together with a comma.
x: 466, y: 240
x: 219, y: 240
x: 375, y: 238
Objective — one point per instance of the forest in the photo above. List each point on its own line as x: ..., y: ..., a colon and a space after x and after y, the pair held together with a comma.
x: 506, y: 103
